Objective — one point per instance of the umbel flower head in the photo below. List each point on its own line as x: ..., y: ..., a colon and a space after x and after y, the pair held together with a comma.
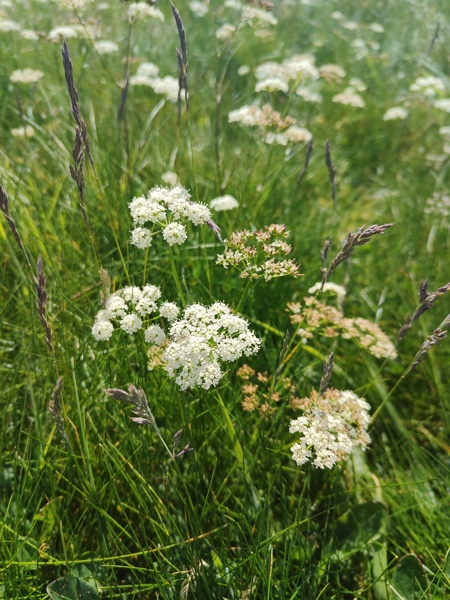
x: 168, y: 208
x: 259, y: 253
x: 202, y: 340
x: 332, y: 427
x: 132, y: 308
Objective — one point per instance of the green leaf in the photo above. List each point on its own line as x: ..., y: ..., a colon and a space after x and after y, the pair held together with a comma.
x: 408, y: 580
x: 71, y: 588
x: 360, y: 525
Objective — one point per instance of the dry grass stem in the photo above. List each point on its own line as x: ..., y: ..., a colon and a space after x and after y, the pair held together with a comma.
x: 123, y: 98
x: 182, y: 57
x: 360, y: 237
x: 435, y: 338
x: 54, y: 406
x: 4, y: 207
x: 309, y: 151
x: 41, y: 303
x: 426, y: 301
x: 331, y: 170
x: 327, y: 371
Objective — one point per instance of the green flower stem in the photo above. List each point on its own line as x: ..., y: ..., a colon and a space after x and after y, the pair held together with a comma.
x: 238, y: 452
x: 176, y: 277
x: 245, y: 293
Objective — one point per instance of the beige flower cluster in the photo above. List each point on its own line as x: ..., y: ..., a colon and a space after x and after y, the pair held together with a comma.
x: 257, y: 392
x: 315, y: 318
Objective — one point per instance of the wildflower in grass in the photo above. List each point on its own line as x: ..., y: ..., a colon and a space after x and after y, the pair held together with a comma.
x: 333, y: 425
x: 222, y: 203
x: 301, y: 67
x: 332, y: 73
x: 429, y: 86
x: 292, y: 135
x: 315, y: 318
x: 106, y: 47
x: 59, y: 33
x: 445, y: 131
x: 350, y: 25
x: 349, y: 98
x: 142, y: 10
x: 148, y: 69
x: 8, y: 25
x: 75, y: 4
x: 396, y: 112
x: 26, y: 76
x: 376, y: 27
x: 243, y: 70
x: 257, y: 392
x: 200, y: 9
x: 27, y: 131
x: 247, y: 115
x: 170, y: 178
x: 271, y: 70
x: 443, y: 104
x: 308, y: 95
x: 165, y: 207
x: 225, y: 32
x: 204, y: 338
x: 167, y: 86
x: 131, y: 307
x: 439, y: 205
x: 260, y: 253
x: 29, y: 34
x: 257, y: 17
x: 273, y: 84
x: 169, y: 310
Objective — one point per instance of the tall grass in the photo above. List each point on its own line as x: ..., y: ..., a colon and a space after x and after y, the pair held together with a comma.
x: 199, y: 496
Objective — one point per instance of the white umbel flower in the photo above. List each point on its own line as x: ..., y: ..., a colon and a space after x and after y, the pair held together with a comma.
x: 202, y: 339
x: 174, y: 233
x: 222, y: 203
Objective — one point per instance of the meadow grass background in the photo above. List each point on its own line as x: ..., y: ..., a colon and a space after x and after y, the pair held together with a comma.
x: 115, y: 514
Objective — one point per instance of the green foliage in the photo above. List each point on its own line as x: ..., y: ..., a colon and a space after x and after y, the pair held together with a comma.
x: 201, y: 497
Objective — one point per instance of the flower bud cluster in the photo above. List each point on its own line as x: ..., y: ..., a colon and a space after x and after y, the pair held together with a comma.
x: 169, y: 208
x: 332, y: 427
x: 258, y: 253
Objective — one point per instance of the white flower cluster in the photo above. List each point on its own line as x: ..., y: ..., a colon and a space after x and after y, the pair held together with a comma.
x: 332, y: 427
x: 257, y: 17
x: 350, y: 98
x: 147, y: 74
x: 165, y: 207
x: 429, y: 86
x: 26, y: 76
x: 222, y: 203
x: 395, y: 112
x: 132, y: 307
x: 142, y: 10
x: 202, y: 339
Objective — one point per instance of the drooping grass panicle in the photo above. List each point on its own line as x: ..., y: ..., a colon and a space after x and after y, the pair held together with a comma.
x: 41, y: 303
x: 309, y: 151
x: 73, y: 94
x: 144, y: 416
x: 331, y: 170
x: 4, y: 207
x: 435, y: 338
x: 182, y: 57
x: 361, y: 236
x: 327, y: 371
x: 426, y: 301
x: 215, y: 229
x: 138, y: 399
x: 54, y: 406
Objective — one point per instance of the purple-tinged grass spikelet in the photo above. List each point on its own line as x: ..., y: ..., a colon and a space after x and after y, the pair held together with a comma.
x: 54, y: 406
x: 4, y: 207
x: 309, y: 151
x: 361, y: 236
x: 41, y: 303
x: 327, y: 371
x: 432, y: 340
x: 331, y: 170
x: 426, y: 301
x: 182, y: 57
